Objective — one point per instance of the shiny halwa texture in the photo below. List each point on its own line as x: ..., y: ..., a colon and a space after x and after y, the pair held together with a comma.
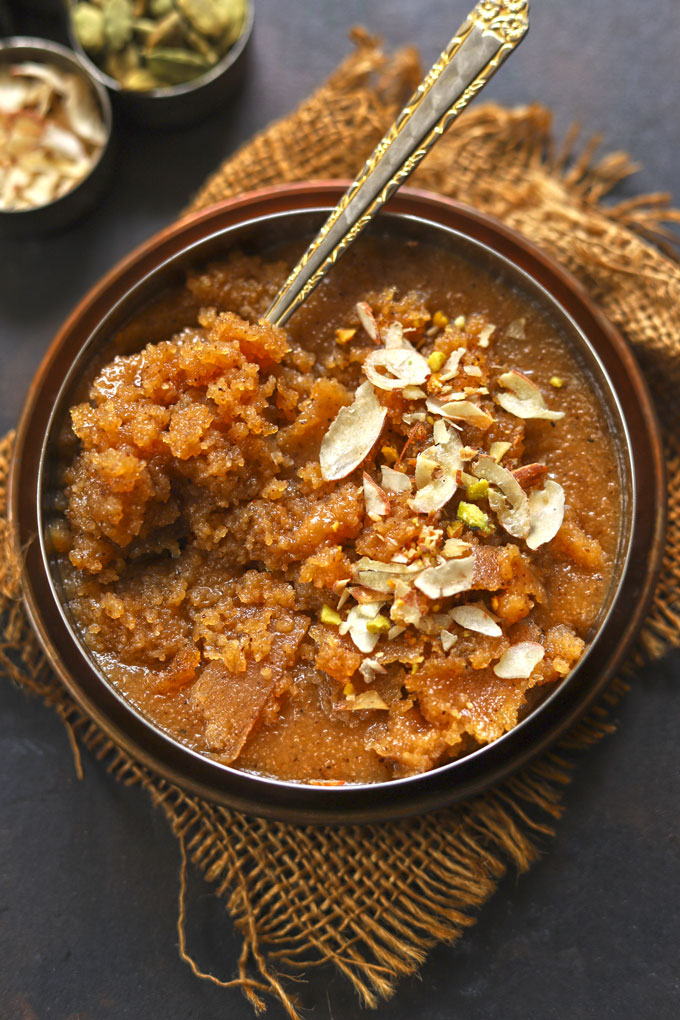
x: 278, y: 604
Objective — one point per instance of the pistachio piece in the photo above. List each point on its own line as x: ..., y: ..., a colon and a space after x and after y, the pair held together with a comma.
x: 475, y: 518
x: 330, y: 616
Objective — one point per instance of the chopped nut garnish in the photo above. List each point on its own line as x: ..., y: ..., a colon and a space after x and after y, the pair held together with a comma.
x: 475, y: 518
x: 477, y: 489
x: 343, y: 336
x: 378, y: 625
x: 447, y: 639
x: 436, y: 360
x: 459, y: 322
x: 556, y: 382
x: 485, y: 335
x: 499, y: 450
x: 330, y: 616
x: 352, y: 434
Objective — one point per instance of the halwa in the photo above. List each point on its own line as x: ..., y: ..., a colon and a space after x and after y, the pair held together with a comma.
x: 347, y: 551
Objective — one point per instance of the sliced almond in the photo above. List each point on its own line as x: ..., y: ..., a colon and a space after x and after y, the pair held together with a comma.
x: 54, y: 77
x: 476, y: 618
x: 516, y: 329
x: 356, y: 625
x: 523, y: 398
x: 448, y: 578
x: 13, y: 92
x: 367, y: 320
x: 440, y: 432
x: 395, y: 481
x: 519, y: 662
x: 369, y: 669
x: 413, y: 393
x: 404, y: 368
x: 485, y: 335
x: 434, y: 492
x: 510, y: 505
x: 449, y: 369
x: 426, y: 465
x: 364, y: 595
x: 394, y: 337
x: 377, y: 503
x: 63, y: 142
x: 383, y: 577
x: 546, y: 513
x: 42, y: 189
x: 460, y: 410
x: 433, y: 623
x: 352, y: 435
x: 498, y: 451
x: 447, y: 639
x: 367, y: 700
x: 454, y: 548
x: 83, y: 113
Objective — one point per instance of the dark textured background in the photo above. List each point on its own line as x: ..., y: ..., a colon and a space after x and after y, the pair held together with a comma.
x: 88, y: 871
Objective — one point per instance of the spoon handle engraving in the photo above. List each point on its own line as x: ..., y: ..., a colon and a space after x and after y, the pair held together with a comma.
x: 488, y: 35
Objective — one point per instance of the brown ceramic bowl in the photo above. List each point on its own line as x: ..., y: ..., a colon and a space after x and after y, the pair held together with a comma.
x: 255, y: 221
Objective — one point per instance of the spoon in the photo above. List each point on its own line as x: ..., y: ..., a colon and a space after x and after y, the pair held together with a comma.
x: 486, y: 38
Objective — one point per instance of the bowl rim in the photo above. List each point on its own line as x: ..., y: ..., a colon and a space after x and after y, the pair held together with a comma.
x: 353, y: 802
x: 168, y: 91
x: 47, y: 48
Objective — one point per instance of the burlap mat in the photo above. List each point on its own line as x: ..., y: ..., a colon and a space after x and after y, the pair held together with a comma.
x: 372, y: 900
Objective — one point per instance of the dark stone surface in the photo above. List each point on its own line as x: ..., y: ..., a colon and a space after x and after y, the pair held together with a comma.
x: 88, y: 871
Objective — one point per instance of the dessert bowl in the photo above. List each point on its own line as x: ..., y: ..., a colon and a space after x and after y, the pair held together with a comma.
x: 256, y: 222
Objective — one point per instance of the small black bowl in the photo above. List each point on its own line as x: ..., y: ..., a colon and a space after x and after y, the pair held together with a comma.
x: 22, y: 223
x: 178, y: 105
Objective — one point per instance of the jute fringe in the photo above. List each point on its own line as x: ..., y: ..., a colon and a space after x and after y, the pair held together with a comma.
x: 373, y: 900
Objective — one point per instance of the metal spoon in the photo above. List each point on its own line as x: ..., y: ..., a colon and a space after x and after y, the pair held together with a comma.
x: 488, y: 35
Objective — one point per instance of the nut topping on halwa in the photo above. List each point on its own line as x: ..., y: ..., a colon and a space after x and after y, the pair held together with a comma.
x: 438, y: 571
x: 343, y: 552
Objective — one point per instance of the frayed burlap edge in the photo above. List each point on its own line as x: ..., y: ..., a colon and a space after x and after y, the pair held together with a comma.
x: 372, y: 900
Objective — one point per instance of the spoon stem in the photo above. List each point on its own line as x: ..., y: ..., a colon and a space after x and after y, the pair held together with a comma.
x: 488, y: 35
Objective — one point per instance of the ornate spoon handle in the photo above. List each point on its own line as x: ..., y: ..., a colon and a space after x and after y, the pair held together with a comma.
x: 489, y: 34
